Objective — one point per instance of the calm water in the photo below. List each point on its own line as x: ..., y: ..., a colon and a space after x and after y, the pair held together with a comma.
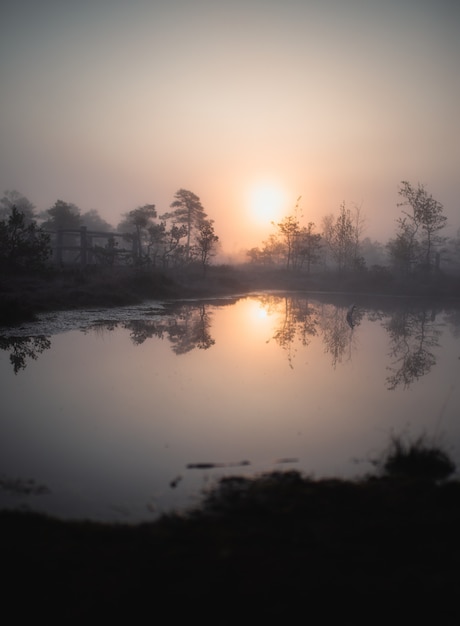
x: 124, y: 414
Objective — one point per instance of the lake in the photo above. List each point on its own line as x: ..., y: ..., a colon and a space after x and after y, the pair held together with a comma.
x: 124, y: 414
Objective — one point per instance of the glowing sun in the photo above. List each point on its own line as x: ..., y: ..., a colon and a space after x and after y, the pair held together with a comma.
x: 267, y: 203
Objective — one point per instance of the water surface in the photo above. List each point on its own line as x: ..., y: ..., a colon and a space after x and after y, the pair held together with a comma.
x: 124, y: 414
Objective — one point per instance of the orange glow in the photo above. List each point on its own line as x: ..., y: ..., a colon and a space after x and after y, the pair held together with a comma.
x: 267, y: 202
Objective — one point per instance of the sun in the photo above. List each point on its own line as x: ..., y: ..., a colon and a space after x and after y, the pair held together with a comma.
x: 267, y: 202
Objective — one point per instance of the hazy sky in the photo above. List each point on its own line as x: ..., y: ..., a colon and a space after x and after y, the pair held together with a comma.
x: 112, y: 104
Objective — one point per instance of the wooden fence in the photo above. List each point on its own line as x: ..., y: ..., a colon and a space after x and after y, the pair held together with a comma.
x: 84, y: 247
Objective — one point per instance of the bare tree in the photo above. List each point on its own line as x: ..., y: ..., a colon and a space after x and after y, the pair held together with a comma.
x: 423, y: 221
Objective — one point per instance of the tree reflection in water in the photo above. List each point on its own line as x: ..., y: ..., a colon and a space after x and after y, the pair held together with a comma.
x: 338, y: 334
x: 191, y: 330
x: 413, y: 334
x: 23, y: 349
x: 298, y: 321
x: 187, y: 328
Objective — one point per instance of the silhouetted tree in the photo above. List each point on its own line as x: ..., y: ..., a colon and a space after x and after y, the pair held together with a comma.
x: 93, y: 221
x: 404, y: 248
x: 342, y: 237
x: 289, y: 229
x: 136, y: 225
x: 423, y: 221
x: 23, y: 205
x: 206, y: 243
x: 188, y: 211
x: 272, y: 252
x: 62, y: 216
x: 22, y: 245
x: 309, y: 246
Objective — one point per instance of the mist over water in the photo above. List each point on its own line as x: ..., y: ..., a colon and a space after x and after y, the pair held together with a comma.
x: 126, y: 413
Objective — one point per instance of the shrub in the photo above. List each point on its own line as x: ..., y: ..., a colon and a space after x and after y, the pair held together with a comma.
x: 22, y: 246
x: 417, y: 459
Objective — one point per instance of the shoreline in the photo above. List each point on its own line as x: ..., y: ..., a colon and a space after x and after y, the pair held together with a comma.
x: 23, y: 297
x: 266, y: 547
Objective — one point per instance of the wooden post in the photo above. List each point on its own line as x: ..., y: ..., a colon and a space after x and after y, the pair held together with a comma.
x: 83, y: 246
x: 135, y: 248
x: 58, y: 251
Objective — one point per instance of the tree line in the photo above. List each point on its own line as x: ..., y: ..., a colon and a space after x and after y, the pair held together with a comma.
x: 182, y: 236
x: 416, y: 248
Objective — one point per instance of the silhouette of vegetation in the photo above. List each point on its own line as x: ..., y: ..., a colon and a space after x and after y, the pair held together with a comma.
x: 267, y: 543
x: 206, y: 244
x: 297, y: 247
x: 417, y: 238
x: 173, y: 257
x: 23, y: 245
x: 137, y: 224
x: 22, y: 204
x: 62, y: 216
x: 189, y: 212
x: 417, y: 459
x: 342, y: 236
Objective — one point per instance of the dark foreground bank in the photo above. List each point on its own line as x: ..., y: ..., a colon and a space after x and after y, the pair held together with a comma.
x: 281, y: 548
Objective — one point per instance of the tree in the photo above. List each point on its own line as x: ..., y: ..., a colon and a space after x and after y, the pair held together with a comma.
x: 93, y: 221
x: 341, y: 238
x: 404, y: 248
x: 22, y: 245
x: 136, y: 225
x: 206, y: 242
x: 423, y: 221
x: 290, y: 231
x: 298, y: 243
x: 21, y: 203
x: 273, y: 251
x: 309, y: 246
x: 188, y: 211
x: 166, y: 244
x: 62, y: 216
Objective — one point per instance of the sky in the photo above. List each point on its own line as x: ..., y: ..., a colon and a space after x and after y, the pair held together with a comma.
x: 113, y: 104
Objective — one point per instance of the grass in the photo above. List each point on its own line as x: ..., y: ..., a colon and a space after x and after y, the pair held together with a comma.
x: 418, y: 459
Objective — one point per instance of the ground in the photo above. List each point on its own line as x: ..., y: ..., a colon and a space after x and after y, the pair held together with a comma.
x: 274, y: 549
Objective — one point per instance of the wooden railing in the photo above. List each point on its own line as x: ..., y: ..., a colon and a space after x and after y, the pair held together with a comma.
x: 86, y: 252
